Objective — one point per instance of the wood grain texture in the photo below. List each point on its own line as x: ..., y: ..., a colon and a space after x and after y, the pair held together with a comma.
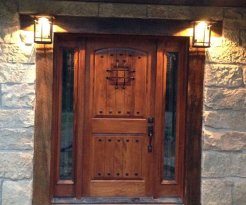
x: 42, y: 134
x: 194, y: 126
x: 90, y: 125
x: 64, y: 187
x: 118, y: 159
x: 79, y: 117
x: 170, y: 187
x: 117, y: 91
x: 118, y: 125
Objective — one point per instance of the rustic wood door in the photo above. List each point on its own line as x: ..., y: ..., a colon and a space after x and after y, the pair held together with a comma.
x: 121, y: 128
x: 119, y: 97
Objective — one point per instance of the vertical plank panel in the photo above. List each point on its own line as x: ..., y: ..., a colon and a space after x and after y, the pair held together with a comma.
x: 118, y: 157
x: 80, y: 114
x: 120, y: 97
x: 132, y: 157
x: 158, y: 141
x: 136, y: 151
x: 100, y: 83
x: 42, y: 134
x: 109, y: 156
x: 129, y: 108
x: 140, y: 84
x: 99, y: 156
x: 194, y: 127
x: 110, y: 88
x: 127, y: 157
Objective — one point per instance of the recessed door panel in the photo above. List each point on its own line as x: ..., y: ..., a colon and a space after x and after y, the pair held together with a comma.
x: 117, y: 157
x: 120, y: 76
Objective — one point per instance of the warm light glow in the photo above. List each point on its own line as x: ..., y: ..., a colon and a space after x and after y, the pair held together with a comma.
x: 201, y: 34
x: 43, y: 30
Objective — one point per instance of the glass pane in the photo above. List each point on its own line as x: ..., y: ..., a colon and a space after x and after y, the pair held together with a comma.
x: 67, y: 115
x: 170, y: 117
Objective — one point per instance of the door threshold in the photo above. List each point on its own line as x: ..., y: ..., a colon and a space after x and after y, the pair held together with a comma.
x: 118, y: 200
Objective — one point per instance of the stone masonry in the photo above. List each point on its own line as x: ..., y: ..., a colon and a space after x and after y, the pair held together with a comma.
x: 17, y: 95
x: 224, y: 130
x: 224, y: 125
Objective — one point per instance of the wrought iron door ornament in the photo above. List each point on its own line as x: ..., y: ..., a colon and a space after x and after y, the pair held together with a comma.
x: 120, y: 74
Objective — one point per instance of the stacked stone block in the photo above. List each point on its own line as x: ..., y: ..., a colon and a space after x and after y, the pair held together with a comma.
x: 17, y: 95
x: 224, y: 130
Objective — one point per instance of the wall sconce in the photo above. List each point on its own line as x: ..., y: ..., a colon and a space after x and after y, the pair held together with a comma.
x: 201, y: 34
x: 43, y: 29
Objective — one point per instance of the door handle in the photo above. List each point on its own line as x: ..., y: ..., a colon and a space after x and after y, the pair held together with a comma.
x: 150, y: 132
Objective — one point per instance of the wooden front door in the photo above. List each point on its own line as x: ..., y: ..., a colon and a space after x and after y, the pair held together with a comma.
x: 119, y: 101
x: 120, y: 121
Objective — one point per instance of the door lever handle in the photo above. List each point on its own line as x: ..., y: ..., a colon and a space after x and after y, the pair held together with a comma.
x: 150, y: 130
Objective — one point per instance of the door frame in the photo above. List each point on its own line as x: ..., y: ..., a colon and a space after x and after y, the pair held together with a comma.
x: 193, y: 108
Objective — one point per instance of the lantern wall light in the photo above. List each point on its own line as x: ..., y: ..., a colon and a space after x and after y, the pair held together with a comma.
x: 43, y: 29
x: 201, y: 34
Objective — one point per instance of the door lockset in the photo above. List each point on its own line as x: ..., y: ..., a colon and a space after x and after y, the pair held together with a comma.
x: 150, y: 132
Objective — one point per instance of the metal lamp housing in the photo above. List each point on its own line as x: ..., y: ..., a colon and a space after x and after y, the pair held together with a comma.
x: 201, y: 34
x: 43, y: 29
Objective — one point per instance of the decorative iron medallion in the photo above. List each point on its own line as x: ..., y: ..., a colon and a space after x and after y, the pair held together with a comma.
x: 120, y: 74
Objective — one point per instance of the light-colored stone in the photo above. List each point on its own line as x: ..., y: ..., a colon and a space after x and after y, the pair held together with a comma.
x: 218, y: 55
x: 231, y: 38
x: 238, y: 162
x: 242, y: 38
x: 1, y: 41
x: 223, y: 75
x: 18, y: 95
x: 244, y: 75
x: 216, y: 192
x: 216, y: 41
x: 27, y: 37
x: 11, y: 34
x: 217, y: 164
x: 17, y: 118
x: 16, y: 165
x: 17, y: 73
x: 19, y: 53
x: 17, y: 193
x: 226, y: 119
x: 217, y: 98
x: 239, y: 193
x: 238, y: 55
x: 226, y: 54
x: 228, y: 141
x: 122, y: 10
x: 16, y: 139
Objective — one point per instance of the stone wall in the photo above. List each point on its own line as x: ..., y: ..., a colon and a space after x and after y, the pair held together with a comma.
x: 17, y: 94
x: 224, y: 130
